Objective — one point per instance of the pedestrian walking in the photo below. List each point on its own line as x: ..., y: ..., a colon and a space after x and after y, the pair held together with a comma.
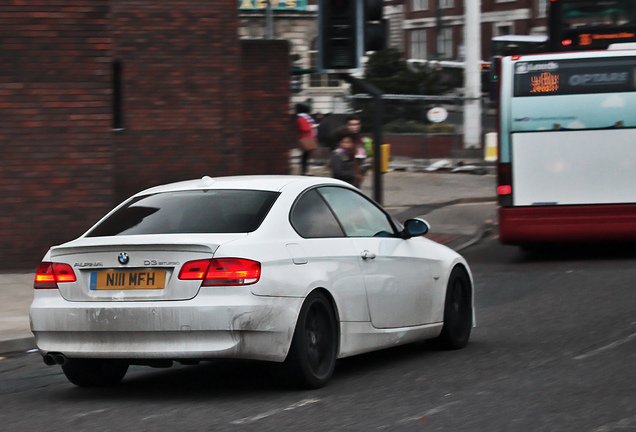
x: 343, y: 157
x: 307, y: 140
x: 354, y: 125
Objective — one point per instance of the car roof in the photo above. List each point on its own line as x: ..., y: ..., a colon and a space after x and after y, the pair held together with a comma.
x: 274, y: 183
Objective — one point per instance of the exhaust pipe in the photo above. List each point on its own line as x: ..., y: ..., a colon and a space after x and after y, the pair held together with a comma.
x: 60, y: 359
x: 51, y: 359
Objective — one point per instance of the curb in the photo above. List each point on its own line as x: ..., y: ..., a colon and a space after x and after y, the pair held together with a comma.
x: 17, y: 345
x: 480, y: 234
x: 406, y: 211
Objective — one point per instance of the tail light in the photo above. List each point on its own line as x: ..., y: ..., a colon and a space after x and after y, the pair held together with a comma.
x: 194, y: 270
x: 49, y: 274
x: 504, y: 184
x: 504, y: 190
x: 222, y: 271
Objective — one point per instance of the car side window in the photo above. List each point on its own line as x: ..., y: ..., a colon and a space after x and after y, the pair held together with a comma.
x: 312, y: 218
x: 358, y: 216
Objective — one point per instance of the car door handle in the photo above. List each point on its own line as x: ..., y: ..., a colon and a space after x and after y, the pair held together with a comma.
x: 366, y: 255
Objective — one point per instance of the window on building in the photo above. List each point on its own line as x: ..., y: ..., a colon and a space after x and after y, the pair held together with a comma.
x: 418, y: 45
x: 118, y: 117
x: 446, y: 4
x: 418, y: 5
x: 445, y: 43
x: 320, y: 80
x: 542, y: 8
x: 504, y: 28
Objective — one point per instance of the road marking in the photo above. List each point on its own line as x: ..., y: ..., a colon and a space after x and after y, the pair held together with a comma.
x: 623, y: 424
x: 606, y: 347
x: 430, y: 412
x: 88, y: 413
x: 266, y: 414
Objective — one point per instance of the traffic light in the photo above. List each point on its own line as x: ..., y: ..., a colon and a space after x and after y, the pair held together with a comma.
x: 374, y: 25
x: 339, y: 34
x: 346, y: 29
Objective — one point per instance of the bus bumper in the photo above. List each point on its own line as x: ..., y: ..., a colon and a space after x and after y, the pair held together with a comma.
x: 567, y: 224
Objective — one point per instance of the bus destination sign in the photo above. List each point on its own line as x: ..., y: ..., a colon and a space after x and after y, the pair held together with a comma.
x: 547, y: 82
x: 583, y: 76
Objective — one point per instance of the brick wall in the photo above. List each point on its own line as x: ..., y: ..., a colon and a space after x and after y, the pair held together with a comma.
x: 423, y: 146
x: 55, y: 102
x: 194, y: 102
x: 181, y: 96
x: 268, y: 131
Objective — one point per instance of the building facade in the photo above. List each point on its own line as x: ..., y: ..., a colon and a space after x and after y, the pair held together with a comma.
x: 296, y: 22
x: 421, y: 29
x: 433, y: 29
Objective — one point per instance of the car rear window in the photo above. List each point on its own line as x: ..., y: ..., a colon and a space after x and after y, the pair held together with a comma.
x: 204, y: 211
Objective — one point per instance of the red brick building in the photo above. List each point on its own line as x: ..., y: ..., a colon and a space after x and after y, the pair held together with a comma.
x: 433, y: 29
x: 102, y: 98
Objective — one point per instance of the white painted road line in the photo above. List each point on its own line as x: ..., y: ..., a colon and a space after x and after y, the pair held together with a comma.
x: 606, y: 347
x: 266, y: 414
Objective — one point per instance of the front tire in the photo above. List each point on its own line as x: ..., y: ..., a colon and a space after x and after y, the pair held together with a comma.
x: 458, y: 312
x: 314, y: 349
x: 94, y: 372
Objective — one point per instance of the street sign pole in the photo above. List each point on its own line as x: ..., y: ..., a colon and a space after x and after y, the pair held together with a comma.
x: 269, y: 21
x: 472, y: 105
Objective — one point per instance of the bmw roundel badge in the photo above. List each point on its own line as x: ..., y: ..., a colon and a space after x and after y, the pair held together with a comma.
x: 123, y: 258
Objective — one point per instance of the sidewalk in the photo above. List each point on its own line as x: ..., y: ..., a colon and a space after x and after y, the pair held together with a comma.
x: 459, y: 207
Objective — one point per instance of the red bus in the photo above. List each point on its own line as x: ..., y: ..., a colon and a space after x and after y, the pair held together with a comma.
x: 567, y: 147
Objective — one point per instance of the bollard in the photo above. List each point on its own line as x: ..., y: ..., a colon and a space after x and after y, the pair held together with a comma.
x: 385, y: 157
x: 490, y: 152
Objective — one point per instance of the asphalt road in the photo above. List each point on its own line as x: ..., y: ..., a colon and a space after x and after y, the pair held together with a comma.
x: 554, y: 350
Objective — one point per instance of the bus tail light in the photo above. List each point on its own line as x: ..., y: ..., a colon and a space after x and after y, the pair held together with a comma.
x: 504, y: 184
x: 49, y: 274
x: 222, y: 271
x: 504, y: 190
x: 566, y: 42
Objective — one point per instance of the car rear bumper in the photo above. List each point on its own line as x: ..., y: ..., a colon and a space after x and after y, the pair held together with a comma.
x: 218, y: 323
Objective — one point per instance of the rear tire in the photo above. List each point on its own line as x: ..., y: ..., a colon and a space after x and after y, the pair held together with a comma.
x: 95, y: 372
x: 458, y: 312
x: 314, y: 349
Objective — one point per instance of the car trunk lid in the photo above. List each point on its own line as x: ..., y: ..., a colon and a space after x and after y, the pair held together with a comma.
x: 134, y: 269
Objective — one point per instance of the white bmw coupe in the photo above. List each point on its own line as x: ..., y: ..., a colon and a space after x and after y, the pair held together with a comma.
x: 300, y: 270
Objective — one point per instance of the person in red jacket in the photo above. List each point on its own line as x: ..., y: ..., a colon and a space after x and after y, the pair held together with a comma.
x: 306, y: 129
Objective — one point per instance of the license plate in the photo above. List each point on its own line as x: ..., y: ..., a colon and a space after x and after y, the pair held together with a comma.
x: 128, y: 279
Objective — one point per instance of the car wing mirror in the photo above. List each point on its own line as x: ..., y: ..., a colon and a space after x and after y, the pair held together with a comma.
x: 415, y: 228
